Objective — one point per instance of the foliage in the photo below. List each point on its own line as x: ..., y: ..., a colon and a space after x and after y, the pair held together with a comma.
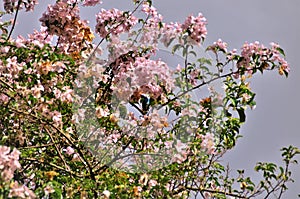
x: 120, y: 123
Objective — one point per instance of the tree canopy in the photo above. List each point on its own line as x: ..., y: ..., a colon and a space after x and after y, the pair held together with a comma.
x: 113, y: 119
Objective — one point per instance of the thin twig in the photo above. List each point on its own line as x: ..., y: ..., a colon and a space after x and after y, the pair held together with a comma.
x: 15, y: 20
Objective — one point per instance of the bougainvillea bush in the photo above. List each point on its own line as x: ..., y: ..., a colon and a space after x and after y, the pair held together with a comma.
x: 113, y: 119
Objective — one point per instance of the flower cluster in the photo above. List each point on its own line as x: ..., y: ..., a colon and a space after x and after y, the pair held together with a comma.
x: 11, y: 5
x: 151, y: 28
x: 62, y: 19
x: 252, y: 50
x: 114, y: 21
x: 248, y: 50
x: 91, y: 2
x: 40, y: 38
x: 149, y: 10
x: 208, y: 143
x: 169, y: 32
x: 11, y: 68
x: 146, y: 76
x: 196, y: 28
x: 218, y: 46
x: 284, y: 66
x: 9, y: 163
x: 20, y: 191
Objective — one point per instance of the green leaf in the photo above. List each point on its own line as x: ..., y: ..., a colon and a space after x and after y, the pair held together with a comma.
x: 203, y: 61
x: 281, y: 51
x: 242, y: 115
x: 176, y: 47
x: 193, y: 53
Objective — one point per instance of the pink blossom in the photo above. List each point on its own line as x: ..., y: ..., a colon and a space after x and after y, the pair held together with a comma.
x: 196, y: 28
x: 218, y: 45
x: 91, y: 2
x: 36, y: 90
x: 20, y: 41
x: 3, y: 98
x: 148, y: 76
x: 12, y: 68
x: 266, y: 55
x: 20, y: 191
x: 100, y: 112
x: 150, y: 10
x: 208, y: 143
x: 284, y: 66
x: 69, y: 150
x: 106, y: 193
x: 169, y: 32
x: 11, y: 5
x: 194, y: 76
x: 152, y: 183
x: 62, y: 19
x: 9, y: 162
x: 57, y: 118
x: 48, y: 189
x: 231, y: 54
x: 4, y: 49
x: 40, y: 38
x: 113, y: 21
x: 151, y: 33
x: 66, y: 96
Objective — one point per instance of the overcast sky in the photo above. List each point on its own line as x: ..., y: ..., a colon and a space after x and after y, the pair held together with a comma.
x: 275, y: 121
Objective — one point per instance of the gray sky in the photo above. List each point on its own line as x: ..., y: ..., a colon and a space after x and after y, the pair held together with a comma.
x: 274, y: 122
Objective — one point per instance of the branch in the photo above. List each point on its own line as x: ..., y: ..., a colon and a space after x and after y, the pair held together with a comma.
x: 55, y: 166
x: 15, y: 19
x: 57, y: 149
x: 201, y: 190
x: 195, y: 87
x: 95, y: 49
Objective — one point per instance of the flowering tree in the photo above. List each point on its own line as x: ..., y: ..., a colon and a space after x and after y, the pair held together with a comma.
x: 110, y: 120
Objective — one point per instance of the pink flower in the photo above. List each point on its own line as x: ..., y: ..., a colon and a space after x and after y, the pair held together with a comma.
x: 113, y: 21
x: 208, y: 143
x: 100, y: 112
x: 152, y: 183
x: 150, y: 10
x: 69, y: 150
x: 66, y: 96
x: 3, y: 98
x: 4, y: 49
x: 9, y: 162
x: 36, y: 90
x: 170, y: 32
x: 196, y: 28
x: 231, y: 54
x: 11, y: 5
x: 147, y: 76
x: 12, y: 68
x: 20, y: 42
x: 218, y: 45
x: 91, y: 2
x: 106, y: 193
x: 20, y: 191
x: 57, y: 118
x: 48, y: 189
x: 62, y: 19
x: 40, y: 38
